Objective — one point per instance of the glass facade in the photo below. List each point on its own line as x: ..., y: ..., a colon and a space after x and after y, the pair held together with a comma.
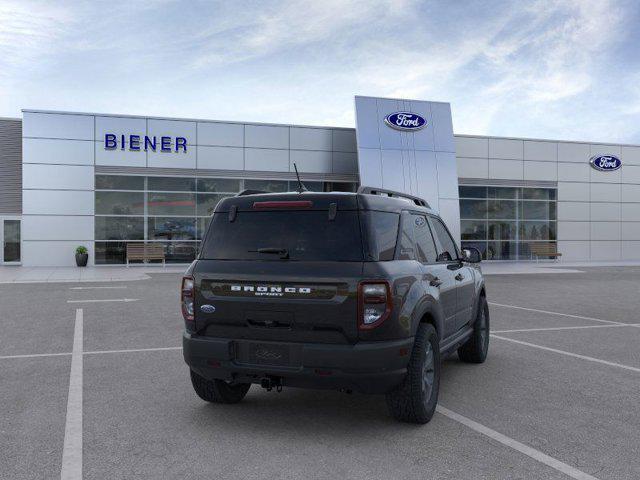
x: 171, y: 211
x: 503, y: 222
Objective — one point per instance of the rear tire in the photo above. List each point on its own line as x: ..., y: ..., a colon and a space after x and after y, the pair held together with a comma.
x: 218, y: 391
x: 477, y: 347
x: 415, y: 400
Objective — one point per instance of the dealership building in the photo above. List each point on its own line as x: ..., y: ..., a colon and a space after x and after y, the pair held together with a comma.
x: 106, y: 181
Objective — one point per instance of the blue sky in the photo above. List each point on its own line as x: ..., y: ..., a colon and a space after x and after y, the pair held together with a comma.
x: 546, y: 69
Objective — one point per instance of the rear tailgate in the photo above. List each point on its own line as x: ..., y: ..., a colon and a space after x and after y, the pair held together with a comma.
x: 277, y: 300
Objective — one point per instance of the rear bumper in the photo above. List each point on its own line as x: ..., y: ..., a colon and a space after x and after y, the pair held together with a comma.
x: 372, y: 367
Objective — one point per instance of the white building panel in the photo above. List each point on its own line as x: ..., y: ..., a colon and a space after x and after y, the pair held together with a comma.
x: 545, y: 151
x: 52, y: 253
x: 311, y: 139
x: 55, y: 227
x: 473, y: 167
x: 220, y: 134
x: 266, y: 136
x: 425, y: 139
x: 220, y: 158
x: 574, y: 152
x: 427, y: 174
x: 390, y: 138
x: 630, y: 212
x: 631, y: 231
x: 57, y: 125
x: 573, y: 231
x: 344, y: 162
x: 447, y: 175
x: 597, y: 149
x: 602, y: 192
x: 62, y: 177
x: 630, y: 250
x: 266, y: 160
x: 605, y: 212
x: 370, y: 166
x: 57, y: 202
x: 120, y: 126
x: 573, y: 250
x: 605, y: 251
x: 596, y: 176
x: 310, y: 161
x: 449, y: 210
x: 630, y: 193
x: 344, y: 141
x: 172, y: 128
x: 506, y: 169
x: 393, y: 171
x: 367, y: 122
x: 574, y: 172
x: 442, y: 127
x: 630, y: 174
x: 472, y: 147
x: 630, y: 155
x: 118, y: 157
x: 68, y: 152
x: 506, y: 149
x: 173, y: 159
x: 574, y: 211
x: 547, y: 171
x: 573, y: 192
x: 605, y: 231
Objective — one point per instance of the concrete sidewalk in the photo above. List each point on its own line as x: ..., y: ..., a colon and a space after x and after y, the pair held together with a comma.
x: 19, y: 274
x: 548, y: 266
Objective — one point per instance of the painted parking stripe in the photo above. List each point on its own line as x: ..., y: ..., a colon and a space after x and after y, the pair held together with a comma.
x: 134, y: 350
x: 530, y: 452
x: 570, y: 354
x: 98, y: 288
x: 580, y: 327
x: 125, y: 300
x: 72, y: 449
x: 557, y: 313
x: 35, y: 355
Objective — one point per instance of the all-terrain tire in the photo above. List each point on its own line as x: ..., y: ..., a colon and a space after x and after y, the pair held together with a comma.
x: 218, y: 391
x: 477, y: 347
x: 414, y: 401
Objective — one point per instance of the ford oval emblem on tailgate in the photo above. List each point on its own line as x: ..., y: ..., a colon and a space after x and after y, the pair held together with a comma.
x: 207, y: 308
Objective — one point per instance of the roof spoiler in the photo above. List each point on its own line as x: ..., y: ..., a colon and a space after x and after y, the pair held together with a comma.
x: 250, y: 192
x: 390, y: 193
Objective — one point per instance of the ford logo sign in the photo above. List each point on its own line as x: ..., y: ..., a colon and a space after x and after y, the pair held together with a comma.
x: 605, y: 163
x: 207, y: 308
x: 405, y: 121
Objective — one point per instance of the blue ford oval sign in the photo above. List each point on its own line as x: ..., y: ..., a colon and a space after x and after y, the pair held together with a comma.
x: 605, y: 163
x: 405, y: 121
x: 208, y: 308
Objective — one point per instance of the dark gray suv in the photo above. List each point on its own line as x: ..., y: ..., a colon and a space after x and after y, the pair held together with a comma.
x: 358, y: 292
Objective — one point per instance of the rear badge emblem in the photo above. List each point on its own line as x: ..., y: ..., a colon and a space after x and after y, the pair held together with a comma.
x: 208, y: 308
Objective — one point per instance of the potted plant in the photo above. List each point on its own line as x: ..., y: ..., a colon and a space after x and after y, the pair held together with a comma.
x: 82, y: 256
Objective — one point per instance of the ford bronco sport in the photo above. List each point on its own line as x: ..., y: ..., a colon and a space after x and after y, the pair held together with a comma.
x: 361, y: 291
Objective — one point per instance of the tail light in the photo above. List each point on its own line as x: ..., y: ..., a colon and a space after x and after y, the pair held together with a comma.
x: 186, y: 300
x: 374, y: 304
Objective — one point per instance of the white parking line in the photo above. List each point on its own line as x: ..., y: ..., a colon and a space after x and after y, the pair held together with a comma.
x: 160, y: 349
x: 557, y: 313
x: 515, y: 445
x: 72, y: 449
x: 125, y: 300
x: 566, y: 328
x: 97, y: 288
x: 35, y: 355
x: 575, y: 355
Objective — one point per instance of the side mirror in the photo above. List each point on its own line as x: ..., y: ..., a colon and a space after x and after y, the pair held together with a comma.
x: 471, y: 255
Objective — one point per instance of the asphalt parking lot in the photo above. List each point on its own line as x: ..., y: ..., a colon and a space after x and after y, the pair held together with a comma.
x: 93, y: 384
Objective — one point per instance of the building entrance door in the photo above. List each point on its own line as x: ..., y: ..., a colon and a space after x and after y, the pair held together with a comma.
x: 10, y: 240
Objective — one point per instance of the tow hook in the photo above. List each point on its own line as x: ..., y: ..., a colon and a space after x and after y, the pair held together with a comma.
x: 269, y: 383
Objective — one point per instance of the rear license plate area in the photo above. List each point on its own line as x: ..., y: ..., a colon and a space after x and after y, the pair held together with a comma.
x: 266, y: 353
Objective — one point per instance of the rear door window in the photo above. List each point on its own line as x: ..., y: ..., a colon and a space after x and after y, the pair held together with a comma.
x: 407, y: 248
x: 426, y: 248
x: 447, y: 250
x: 381, y: 232
x: 305, y: 235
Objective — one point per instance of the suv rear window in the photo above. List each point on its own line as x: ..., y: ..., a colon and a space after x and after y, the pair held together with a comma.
x: 305, y: 235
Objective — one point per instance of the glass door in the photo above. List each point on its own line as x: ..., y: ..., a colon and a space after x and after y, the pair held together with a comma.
x: 10, y: 239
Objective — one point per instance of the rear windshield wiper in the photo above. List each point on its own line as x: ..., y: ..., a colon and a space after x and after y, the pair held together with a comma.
x: 283, y: 252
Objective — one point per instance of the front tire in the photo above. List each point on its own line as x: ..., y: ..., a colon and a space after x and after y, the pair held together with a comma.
x: 414, y: 401
x: 477, y: 347
x: 218, y: 391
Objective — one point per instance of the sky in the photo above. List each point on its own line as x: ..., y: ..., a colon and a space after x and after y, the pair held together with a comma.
x: 540, y: 69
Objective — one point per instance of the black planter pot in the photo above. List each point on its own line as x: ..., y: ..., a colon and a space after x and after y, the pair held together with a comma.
x: 81, y: 259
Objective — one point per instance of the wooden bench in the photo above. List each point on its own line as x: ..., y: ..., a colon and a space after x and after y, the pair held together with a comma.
x: 145, y: 252
x: 544, y: 250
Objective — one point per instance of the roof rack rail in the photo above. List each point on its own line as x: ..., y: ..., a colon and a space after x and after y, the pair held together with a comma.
x: 250, y: 192
x: 391, y: 193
